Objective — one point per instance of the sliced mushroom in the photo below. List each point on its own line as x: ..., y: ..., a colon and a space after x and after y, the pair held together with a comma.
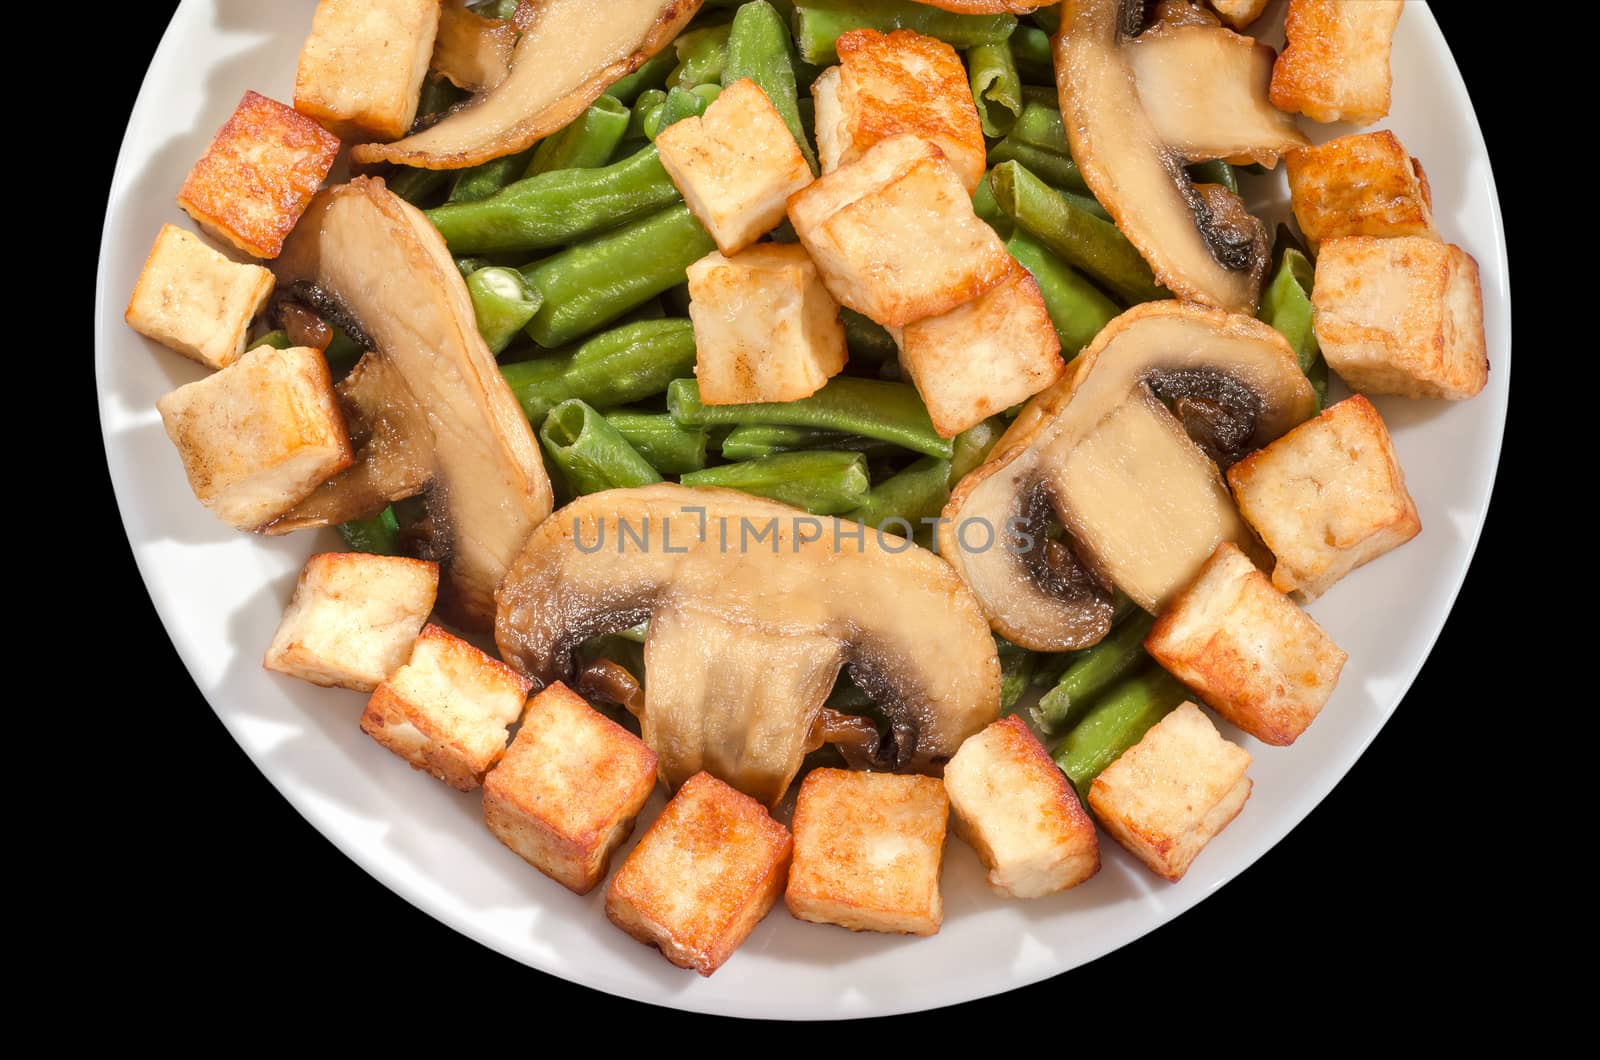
x: 428, y: 410
x: 570, y: 51
x: 754, y: 608
x: 472, y: 52
x: 1118, y: 127
x: 1142, y: 502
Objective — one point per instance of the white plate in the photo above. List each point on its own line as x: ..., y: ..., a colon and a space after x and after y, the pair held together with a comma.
x: 221, y: 594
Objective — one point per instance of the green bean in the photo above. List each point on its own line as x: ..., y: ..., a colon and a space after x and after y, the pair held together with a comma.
x: 1215, y: 172
x: 822, y: 482
x: 1081, y: 239
x: 1094, y: 670
x: 818, y: 24
x: 1039, y: 125
x: 1047, y: 19
x: 278, y: 339
x: 1051, y: 666
x: 480, y: 182
x: 867, y: 339
x: 996, y: 87
x: 647, y: 104
x: 501, y: 9
x: 1016, y: 672
x: 616, y: 367
x: 415, y: 186
x: 588, y: 142
x: 342, y: 351
x: 1076, y: 307
x: 917, y: 493
x: 870, y: 407
x: 972, y: 446
x: 1114, y: 723
x: 1058, y: 171
x: 1286, y: 306
x: 437, y: 96
x: 702, y: 53
x: 670, y: 447
x: 379, y: 535
x: 1030, y: 50
x: 557, y: 208
x: 589, y: 285
x: 503, y: 302
x: 752, y: 440
x: 761, y: 49
x: 590, y: 453
x: 680, y: 103
x: 985, y: 206
x: 653, y: 74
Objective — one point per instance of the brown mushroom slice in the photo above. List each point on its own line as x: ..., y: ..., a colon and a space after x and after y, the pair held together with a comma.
x: 472, y: 52
x: 1133, y: 171
x: 754, y: 608
x: 570, y: 51
x: 428, y: 408
x: 1143, y: 503
x: 1204, y: 89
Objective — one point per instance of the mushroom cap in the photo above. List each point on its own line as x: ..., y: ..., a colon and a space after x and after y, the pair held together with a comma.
x: 754, y: 608
x: 1142, y: 502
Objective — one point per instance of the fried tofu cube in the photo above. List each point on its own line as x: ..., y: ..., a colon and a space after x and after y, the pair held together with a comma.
x: 447, y: 710
x: 765, y: 329
x: 257, y: 437
x: 983, y: 357
x: 259, y: 174
x: 893, y: 84
x: 868, y: 848
x: 1335, y: 64
x: 867, y: 226
x: 353, y: 618
x: 705, y: 873
x: 736, y: 165
x: 1239, y: 13
x: 1326, y: 498
x: 361, y: 69
x: 567, y: 791
x: 1169, y: 795
x: 1364, y: 185
x: 1016, y: 809
x: 1247, y: 650
x: 1401, y: 316
x: 193, y: 300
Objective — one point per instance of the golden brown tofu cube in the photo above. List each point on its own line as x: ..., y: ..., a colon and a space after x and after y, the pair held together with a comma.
x: 765, y: 329
x: 257, y: 437
x: 353, y: 618
x: 1401, y: 316
x: 1239, y: 13
x: 1326, y: 498
x: 361, y: 69
x: 1335, y: 66
x: 1364, y: 185
x: 1173, y: 791
x: 867, y: 226
x: 254, y: 182
x: 567, y: 791
x: 447, y: 710
x: 193, y: 300
x: 1250, y: 653
x: 1017, y: 810
x: 736, y: 165
x: 893, y: 84
x: 868, y: 848
x: 705, y: 873
x: 983, y: 357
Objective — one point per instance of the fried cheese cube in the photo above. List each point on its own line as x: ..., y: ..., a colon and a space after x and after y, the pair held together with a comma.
x: 894, y: 234
x: 1335, y: 66
x: 892, y: 84
x: 447, y: 710
x: 257, y: 437
x: 567, y: 791
x: 1247, y: 650
x: 1401, y: 316
x: 765, y: 329
x: 361, y: 69
x: 1326, y: 498
x: 259, y: 174
x: 193, y: 300
x: 353, y: 618
x: 1017, y: 810
x: 1363, y: 185
x: 736, y: 165
x: 985, y: 356
x: 868, y: 848
x: 705, y: 873
x: 1169, y: 795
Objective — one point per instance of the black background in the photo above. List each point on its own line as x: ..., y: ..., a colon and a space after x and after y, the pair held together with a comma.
x: 211, y: 877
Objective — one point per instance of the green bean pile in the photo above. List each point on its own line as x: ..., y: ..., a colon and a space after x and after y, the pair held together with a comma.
x: 575, y: 254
